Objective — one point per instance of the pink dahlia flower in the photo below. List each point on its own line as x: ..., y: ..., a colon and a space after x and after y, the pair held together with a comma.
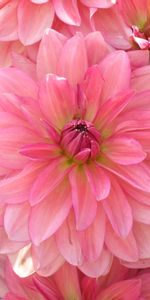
x: 127, y: 26
x: 68, y: 283
x: 74, y: 161
x: 26, y: 20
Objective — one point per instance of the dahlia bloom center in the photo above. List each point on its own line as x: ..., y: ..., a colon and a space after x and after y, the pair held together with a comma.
x: 78, y: 136
x: 142, y: 39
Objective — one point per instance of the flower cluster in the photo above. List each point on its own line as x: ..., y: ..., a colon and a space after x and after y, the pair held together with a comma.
x: 75, y: 149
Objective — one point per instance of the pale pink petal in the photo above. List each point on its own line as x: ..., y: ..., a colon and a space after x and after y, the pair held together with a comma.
x: 140, y: 78
x: 142, y: 236
x: 67, y: 282
x: 118, y: 210
x: 136, y: 175
x: 123, y: 150
x: 67, y: 11
x: 48, y: 179
x: 99, y: 267
x: 46, y: 257
x: 114, y: 81
x: 127, y: 289
x: 16, y: 82
x: 140, y: 211
x: 92, y: 87
x: 84, y: 204
x: 110, y: 23
x: 7, y: 246
x: 51, y: 44
x: 37, y: 17
x: 92, y: 238
x: 23, y: 63
x: 16, y: 221
x: 54, y: 208
x: 16, y: 189
x: 95, y: 41
x: 99, y: 3
x: 126, y: 249
x: 57, y: 100
x: 72, y: 62
x: 8, y: 30
x: 98, y: 180
x: 68, y: 242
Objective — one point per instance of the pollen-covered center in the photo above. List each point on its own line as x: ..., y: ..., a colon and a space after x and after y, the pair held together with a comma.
x: 80, y: 135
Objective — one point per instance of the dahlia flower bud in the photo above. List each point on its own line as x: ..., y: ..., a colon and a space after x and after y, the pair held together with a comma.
x: 78, y: 136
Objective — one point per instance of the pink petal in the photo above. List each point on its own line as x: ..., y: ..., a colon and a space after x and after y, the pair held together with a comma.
x: 98, y: 180
x: 57, y: 100
x: 92, y: 238
x: 114, y: 81
x: 67, y: 281
x: 99, y: 267
x: 84, y: 204
x: 46, y: 257
x: 123, y: 150
x: 127, y: 289
x: 15, y: 189
x: 140, y: 78
x: 126, y: 249
x: 140, y: 211
x: 118, y: 210
x: 8, y: 30
x: 24, y: 64
x: 54, y: 208
x: 37, y: 17
x: 130, y: 11
x: 137, y: 176
x: 73, y: 57
x: 68, y: 242
x: 98, y: 3
x: 110, y: 23
x: 8, y: 246
x: 49, y: 179
x: 138, y: 58
x: 12, y: 138
x: 15, y: 81
x: 111, y: 109
x: 95, y: 41
x: 92, y: 87
x: 39, y: 151
x: 16, y: 222
x: 67, y: 11
x: 52, y: 43
x: 142, y: 236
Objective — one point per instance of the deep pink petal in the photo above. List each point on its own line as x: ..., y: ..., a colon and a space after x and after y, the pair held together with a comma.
x: 140, y: 79
x: 126, y: 249
x: 123, y: 150
x: 52, y: 43
x: 98, y: 180
x: 57, y: 100
x: 84, y: 204
x: 48, y: 179
x: 99, y: 267
x: 40, y: 151
x: 16, y: 221
x: 138, y: 58
x: 37, y: 17
x: 118, y: 210
x: 54, y: 208
x: 67, y: 11
x: 73, y: 57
